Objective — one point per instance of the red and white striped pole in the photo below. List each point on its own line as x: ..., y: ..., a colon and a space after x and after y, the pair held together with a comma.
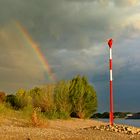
x: 111, y: 83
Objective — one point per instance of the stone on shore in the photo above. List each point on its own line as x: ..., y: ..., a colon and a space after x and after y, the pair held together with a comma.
x: 118, y: 129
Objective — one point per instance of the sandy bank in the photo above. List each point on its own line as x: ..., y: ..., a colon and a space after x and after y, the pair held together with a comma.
x: 74, y: 129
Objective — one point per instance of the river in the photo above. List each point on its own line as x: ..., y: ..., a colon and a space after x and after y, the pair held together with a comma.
x: 132, y: 122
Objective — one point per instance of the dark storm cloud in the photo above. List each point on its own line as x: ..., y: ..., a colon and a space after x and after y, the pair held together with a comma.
x: 64, y: 22
x: 61, y: 21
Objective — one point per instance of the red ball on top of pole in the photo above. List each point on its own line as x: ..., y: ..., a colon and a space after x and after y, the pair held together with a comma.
x: 110, y: 42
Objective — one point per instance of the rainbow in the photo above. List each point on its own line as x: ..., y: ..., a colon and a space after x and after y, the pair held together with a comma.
x: 37, y: 51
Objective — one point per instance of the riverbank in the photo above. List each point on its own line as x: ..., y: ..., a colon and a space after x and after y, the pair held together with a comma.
x: 73, y: 129
x: 130, y: 122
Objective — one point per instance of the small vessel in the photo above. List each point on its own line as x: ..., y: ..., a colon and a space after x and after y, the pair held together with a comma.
x: 133, y: 116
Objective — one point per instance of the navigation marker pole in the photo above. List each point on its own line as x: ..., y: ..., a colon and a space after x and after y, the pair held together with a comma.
x: 111, y: 82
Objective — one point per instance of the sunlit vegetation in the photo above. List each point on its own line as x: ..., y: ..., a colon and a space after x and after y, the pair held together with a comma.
x: 62, y: 100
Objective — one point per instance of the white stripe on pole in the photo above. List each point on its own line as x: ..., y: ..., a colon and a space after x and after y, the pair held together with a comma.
x: 111, y: 78
x: 110, y: 53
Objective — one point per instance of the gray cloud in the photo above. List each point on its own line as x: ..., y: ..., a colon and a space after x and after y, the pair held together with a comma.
x: 126, y: 2
x: 107, y: 2
x: 66, y: 22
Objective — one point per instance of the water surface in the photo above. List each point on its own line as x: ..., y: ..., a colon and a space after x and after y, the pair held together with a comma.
x: 132, y: 122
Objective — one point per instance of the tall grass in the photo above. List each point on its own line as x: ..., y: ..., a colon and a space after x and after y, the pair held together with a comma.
x: 6, y: 110
x: 28, y: 116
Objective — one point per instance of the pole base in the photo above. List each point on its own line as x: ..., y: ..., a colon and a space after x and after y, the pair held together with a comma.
x: 111, y: 118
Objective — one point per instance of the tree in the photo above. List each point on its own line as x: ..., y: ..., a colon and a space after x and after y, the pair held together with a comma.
x: 61, y: 98
x: 105, y: 115
x: 97, y: 115
x: 82, y: 97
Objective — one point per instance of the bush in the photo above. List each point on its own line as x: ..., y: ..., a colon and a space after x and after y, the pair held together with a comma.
x: 61, y: 97
x: 76, y: 98
x: 43, y: 98
x: 105, y: 115
x: 12, y: 100
x: 6, y: 111
x: 2, y: 97
x: 97, y: 115
x: 22, y: 97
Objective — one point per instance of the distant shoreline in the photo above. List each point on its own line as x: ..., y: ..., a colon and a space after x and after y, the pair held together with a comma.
x: 131, y: 122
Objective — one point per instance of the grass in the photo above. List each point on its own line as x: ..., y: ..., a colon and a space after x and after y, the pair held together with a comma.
x: 28, y: 117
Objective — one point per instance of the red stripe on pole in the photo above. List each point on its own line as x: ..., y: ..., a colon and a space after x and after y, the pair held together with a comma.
x: 111, y: 103
x: 110, y: 61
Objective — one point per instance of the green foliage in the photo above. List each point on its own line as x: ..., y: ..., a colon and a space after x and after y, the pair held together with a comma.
x: 55, y: 114
x: 35, y: 95
x: 61, y: 97
x: 105, y: 115
x: 58, y: 100
x: 26, y: 112
x: 97, y: 115
x: 47, y: 104
x: 101, y: 115
x: 43, y: 97
x: 21, y: 92
x: 120, y: 114
x: 18, y: 101
x: 6, y: 110
x: 82, y: 97
x: 13, y: 101
x: 22, y: 99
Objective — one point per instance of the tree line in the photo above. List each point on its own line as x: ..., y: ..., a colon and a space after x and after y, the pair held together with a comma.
x: 72, y: 98
x: 116, y: 115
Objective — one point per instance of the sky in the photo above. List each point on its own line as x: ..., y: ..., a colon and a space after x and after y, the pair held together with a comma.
x: 72, y: 37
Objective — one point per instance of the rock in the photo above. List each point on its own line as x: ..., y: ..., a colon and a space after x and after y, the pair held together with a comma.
x: 129, y: 129
x: 125, y: 128
x: 125, y: 132
x: 116, y: 130
x: 119, y: 131
x: 94, y: 127
x: 129, y: 132
x: 134, y: 131
x: 97, y: 128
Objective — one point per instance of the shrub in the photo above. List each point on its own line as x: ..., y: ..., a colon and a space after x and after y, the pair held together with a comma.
x: 2, y: 96
x: 62, y: 100
x: 12, y: 100
x: 43, y: 98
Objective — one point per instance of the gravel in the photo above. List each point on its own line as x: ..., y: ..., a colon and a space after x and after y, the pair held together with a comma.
x: 74, y: 129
